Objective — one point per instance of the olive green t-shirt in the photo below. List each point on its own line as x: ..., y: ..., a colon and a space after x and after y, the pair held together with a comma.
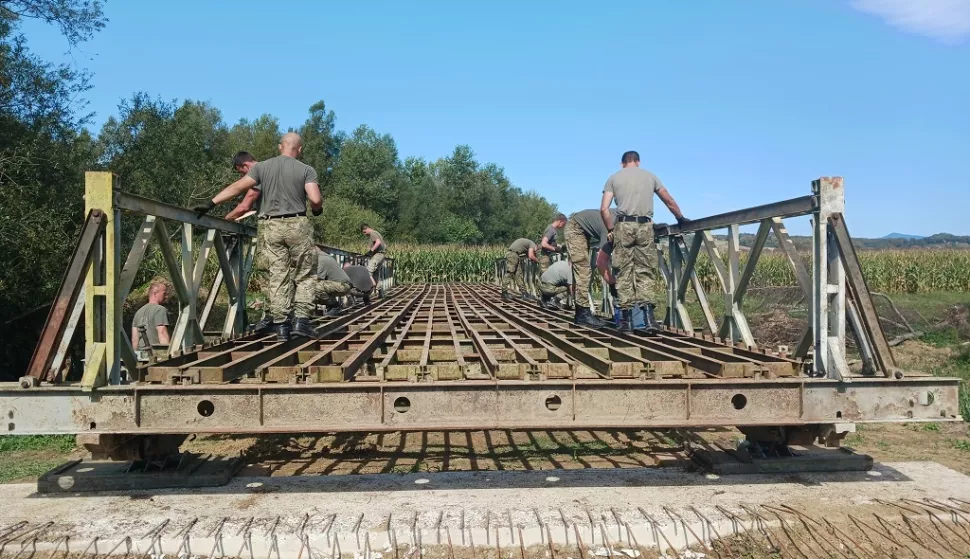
x: 560, y: 273
x: 151, y: 316
x: 282, y: 184
x: 633, y: 190
x: 360, y: 278
x: 329, y: 269
x: 550, y: 234
x: 374, y: 237
x: 522, y: 246
x: 591, y: 223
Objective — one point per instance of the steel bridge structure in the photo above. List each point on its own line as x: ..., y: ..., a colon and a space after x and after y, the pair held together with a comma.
x: 459, y: 357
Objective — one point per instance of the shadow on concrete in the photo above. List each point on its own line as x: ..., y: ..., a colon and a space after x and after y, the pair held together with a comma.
x: 354, y: 462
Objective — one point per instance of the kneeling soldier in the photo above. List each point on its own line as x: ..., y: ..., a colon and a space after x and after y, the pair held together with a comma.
x: 558, y: 279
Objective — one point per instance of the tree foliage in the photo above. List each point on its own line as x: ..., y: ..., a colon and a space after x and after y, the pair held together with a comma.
x: 179, y: 152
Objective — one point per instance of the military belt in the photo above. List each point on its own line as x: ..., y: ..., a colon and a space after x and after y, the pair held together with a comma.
x: 633, y: 218
x: 298, y: 214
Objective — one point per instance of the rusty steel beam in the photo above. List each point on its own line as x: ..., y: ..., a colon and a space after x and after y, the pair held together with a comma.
x: 56, y: 325
x: 803, y: 205
x: 415, y: 406
x: 859, y: 293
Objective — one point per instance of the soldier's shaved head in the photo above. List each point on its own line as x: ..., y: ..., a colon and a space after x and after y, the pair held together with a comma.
x: 291, y: 144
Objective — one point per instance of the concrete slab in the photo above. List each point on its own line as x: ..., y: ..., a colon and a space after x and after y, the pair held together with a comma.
x: 480, y: 508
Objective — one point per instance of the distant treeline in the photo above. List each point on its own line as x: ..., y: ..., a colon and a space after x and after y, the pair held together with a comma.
x: 180, y: 153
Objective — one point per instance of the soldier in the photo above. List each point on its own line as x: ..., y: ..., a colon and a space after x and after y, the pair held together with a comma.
x: 152, y: 318
x: 361, y: 280
x: 548, y: 245
x: 242, y: 162
x: 285, y: 234
x: 513, y: 269
x: 332, y: 282
x: 635, y: 257
x: 376, y: 253
x: 558, y: 279
x: 584, y: 231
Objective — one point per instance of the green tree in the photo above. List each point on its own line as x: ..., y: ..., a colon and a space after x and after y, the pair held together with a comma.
x: 368, y: 172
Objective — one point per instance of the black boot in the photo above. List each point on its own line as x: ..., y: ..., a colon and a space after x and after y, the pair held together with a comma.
x: 626, y: 321
x: 303, y: 328
x: 283, y: 331
x: 506, y: 297
x: 264, y: 326
x: 649, y: 322
x: 585, y: 317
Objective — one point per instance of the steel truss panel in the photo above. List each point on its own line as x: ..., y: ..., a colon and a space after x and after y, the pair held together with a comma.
x: 465, y: 405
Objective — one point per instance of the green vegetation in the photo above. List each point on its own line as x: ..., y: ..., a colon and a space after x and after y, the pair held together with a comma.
x: 21, y: 443
x: 29, y: 456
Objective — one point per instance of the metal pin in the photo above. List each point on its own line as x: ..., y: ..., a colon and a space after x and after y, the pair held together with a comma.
x: 606, y: 541
x: 521, y: 543
x: 508, y: 513
x: 687, y: 527
x: 326, y: 529
x: 579, y: 542
x: 659, y: 530
x: 565, y: 525
x: 451, y: 547
x: 356, y: 529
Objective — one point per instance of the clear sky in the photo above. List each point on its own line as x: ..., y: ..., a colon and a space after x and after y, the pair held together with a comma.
x: 730, y: 103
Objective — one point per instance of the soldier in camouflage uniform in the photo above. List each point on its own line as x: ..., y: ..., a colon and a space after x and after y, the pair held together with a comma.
x: 514, y: 277
x: 332, y: 281
x: 375, y: 255
x: 584, y: 231
x: 557, y: 280
x: 635, y: 255
x: 549, y: 246
x: 285, y: 234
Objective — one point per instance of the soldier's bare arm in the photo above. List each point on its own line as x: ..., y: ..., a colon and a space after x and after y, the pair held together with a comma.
x: 669, y: 201
x: 546, y: 245
x: 234, y: 189
x: 135, y: 338
x: 313, y: 195
x: 603, y: 265
x: 605, y: 212
x: 248, y: 201
x: 163, y: 338
x: 532, y: 254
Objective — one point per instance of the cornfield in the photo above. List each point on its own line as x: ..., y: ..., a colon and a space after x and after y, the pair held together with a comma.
x: 889, y: 271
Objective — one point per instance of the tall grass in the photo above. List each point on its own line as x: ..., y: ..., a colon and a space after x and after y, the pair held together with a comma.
x: 890, y: 271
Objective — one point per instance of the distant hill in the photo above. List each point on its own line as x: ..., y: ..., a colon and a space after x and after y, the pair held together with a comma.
x: 894, y: 240
x: 903, y: 236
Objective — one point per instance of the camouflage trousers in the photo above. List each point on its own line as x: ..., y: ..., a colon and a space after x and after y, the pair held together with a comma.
x: 291, y: 259
x: 578, y: 246
x: 327, y: 291
x: 374, y: 262
x: 551, y: 289
x: 545, y: 260
x: 514, y: 279
x: 634, y: 261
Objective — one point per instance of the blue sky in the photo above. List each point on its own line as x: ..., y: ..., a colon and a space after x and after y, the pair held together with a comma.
x: 731, y: 104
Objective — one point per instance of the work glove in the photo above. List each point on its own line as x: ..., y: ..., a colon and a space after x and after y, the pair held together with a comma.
x: 202, y: 209
x: 316, y: 211
x: 613, y: 291
x: 369, y: 253
x: 683, y: 221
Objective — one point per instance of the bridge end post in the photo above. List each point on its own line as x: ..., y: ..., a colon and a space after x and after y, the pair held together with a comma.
x: 828, y: 285
x: 103, y: 318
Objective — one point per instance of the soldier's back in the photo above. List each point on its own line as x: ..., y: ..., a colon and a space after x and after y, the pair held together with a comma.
x: 281, y: 181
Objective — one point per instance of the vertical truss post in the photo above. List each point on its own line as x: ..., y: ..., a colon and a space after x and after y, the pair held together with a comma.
x: 675, y: 317
x: 103, y: 319
x: 828, y: 285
